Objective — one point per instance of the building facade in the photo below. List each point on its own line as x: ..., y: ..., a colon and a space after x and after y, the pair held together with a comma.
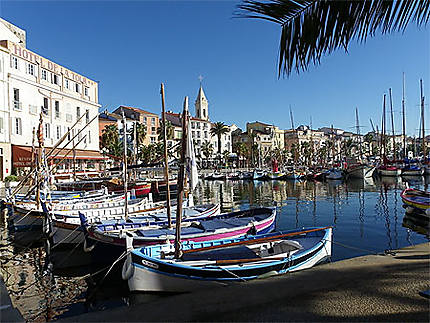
x: 34, y: 87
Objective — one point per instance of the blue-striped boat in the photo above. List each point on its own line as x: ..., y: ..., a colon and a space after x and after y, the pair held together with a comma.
x: 215, y: 263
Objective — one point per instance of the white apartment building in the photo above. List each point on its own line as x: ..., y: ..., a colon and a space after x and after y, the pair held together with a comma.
x: 32, y: 85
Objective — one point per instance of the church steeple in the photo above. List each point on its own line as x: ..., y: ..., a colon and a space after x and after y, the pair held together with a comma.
x: 202, y: 105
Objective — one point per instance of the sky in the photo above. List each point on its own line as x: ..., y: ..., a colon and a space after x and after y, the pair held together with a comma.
x: 132, y: 47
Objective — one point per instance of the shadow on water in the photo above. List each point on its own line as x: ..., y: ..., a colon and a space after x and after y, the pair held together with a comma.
x: 364, y: 214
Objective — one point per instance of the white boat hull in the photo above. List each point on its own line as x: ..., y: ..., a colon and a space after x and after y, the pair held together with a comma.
x: 361, y: 172
x: 418, y: 172
x: 387, y: 172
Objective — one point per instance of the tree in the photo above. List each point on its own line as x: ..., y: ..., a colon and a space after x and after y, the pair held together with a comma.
x: 207, y: 149
x: 218, y: 129
x: 169, y: 131
x: 240, y: 149
x: 110, y: 140
x: 140, y: 136
x: 311, y: 29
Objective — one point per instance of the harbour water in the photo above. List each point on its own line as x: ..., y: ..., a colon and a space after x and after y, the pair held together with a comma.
x: 367, y: 217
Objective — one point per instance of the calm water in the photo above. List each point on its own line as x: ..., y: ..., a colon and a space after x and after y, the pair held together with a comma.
x: 367, y: 217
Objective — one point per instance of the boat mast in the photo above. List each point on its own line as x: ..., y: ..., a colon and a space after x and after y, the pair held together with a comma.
x: 357, y: 124
x: 333, y: 143
x: 383, y: 139
x: 403, y: 117
x: 39, y: 159
x: 422, y: 120
x: 392, y: 125
x: 166, y: 157
x: 124, y: 128
x: 294, y: 135
x: 181, y: 178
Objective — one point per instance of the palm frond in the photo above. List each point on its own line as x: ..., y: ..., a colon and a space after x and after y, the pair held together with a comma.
x: 312, y: 29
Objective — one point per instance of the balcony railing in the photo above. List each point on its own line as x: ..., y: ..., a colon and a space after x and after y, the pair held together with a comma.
x: 17, y: 105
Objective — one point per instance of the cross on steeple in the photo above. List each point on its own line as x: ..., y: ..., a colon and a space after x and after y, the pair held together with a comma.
x: 200, y: 79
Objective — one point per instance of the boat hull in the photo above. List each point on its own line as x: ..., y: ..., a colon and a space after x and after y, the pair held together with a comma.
x: 389, y: 172
x: 152, y: 275
x: 361, y: 172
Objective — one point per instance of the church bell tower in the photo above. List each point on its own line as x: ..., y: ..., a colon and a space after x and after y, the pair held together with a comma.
x: 201, y: 105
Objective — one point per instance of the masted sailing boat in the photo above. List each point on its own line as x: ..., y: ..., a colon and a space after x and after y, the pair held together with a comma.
x: 360, y: 169
x: 386, y: 169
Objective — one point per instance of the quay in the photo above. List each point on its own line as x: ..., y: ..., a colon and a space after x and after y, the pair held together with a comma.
x: 368, y: 288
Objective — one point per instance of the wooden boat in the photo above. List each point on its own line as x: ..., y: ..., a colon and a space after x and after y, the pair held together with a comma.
x: 360, y: 171
x: 223, y: 226
x: 259, y: 174
x: 412, y: 170
x: 275, y: 175
x: 216, y: 177
x: 67, y: 229
x: 416, y: 201
x: 246, y: 175
x: 216, y: 263
x: 389, y: 171
x: 334, y: 174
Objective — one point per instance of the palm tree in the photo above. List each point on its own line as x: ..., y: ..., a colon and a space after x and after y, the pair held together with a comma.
x: 207, y: 149
x: 110, y: 140
x: 218, y: 129
x: 240, y: 149
x: 169, y: 131
x: 140, y: 136
x: 312, y: 28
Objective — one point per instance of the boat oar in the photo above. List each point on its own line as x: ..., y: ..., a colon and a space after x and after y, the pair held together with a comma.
x: 253, y: 241
x: 240, y: 261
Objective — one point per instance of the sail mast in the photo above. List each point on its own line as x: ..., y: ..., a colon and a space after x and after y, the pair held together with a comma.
x: 392, y: 125
x: 357, y: 124
x: 181, y: 178
x: 166, y: 158
x: 422, y: 120
x: 403, y: 117
x: 125, y: 179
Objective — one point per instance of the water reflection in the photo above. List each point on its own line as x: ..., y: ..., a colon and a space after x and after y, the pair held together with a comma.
x: 365, y: 215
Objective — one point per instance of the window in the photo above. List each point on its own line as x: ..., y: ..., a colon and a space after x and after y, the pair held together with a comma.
x: 69, y: 135
x: 55, y: 79
x: 1, y: 125
x: 30, y: 69
x: 77, y: 88
x: 16, y: 104
x: 14, y: 62
x: 87, y: 116
x: 68, y: 117
x: 44, y: 75
x: 18, y: 126
x: 153, y: 130
x: 192, y: 125
x: 198, y: 134
x: 45, y: 107
x: 204, y: 113
x: 153, y: 121
x: 57, y: 109
x: 66, y: 83
x: 89, y: 136
x: 152, y: 140
x: 47, y: 130
x: 58, y: 132
x: 78, y: 113
x: 86, y: 91
x: 193, y: 134
x: 206, y: 134
x: 33, y: 109
x: 144, y: 119
x: 197, y: 125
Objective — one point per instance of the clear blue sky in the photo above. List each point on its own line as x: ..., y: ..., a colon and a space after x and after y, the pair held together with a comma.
x: 131, y: 47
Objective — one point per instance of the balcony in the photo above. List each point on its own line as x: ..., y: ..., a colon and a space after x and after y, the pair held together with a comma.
x: 17, y: 105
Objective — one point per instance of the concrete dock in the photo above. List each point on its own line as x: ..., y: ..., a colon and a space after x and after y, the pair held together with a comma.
x: 369, y: 288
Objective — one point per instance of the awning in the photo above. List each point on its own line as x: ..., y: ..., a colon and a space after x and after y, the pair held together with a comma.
x: 21, y: 155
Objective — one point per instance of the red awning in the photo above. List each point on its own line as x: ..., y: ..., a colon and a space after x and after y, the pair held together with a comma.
x: 21, y: 155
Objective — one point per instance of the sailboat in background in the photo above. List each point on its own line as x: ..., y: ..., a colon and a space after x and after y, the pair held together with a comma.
x: 410, y: 167
x: 385, y: 169
x: 360, y: 169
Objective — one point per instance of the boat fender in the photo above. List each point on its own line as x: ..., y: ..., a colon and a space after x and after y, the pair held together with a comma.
x: 127, y: 268
x: 409, y: 209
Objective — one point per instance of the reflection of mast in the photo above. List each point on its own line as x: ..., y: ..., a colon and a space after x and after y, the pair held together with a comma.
x: 357, y: 124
